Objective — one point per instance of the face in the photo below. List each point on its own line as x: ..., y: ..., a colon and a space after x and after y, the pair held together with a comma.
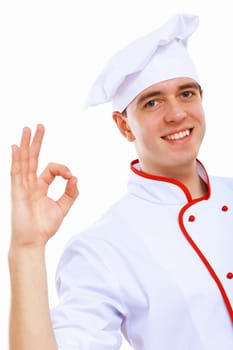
x: 166, y: 122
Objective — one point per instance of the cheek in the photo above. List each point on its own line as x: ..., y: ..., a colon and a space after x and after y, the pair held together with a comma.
x: 198, y: 112
x: 195, y: 113
x: 199, y: 116
x: 146, y: 139
x: 202, y: 119
x: 145, y: 128
x: 143, y: 132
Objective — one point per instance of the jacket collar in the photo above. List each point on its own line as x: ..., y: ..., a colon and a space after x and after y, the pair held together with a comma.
x: 161, y: 189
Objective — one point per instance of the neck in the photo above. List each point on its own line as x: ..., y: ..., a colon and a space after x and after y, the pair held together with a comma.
x: 188, y: 176
x: 197, y: 187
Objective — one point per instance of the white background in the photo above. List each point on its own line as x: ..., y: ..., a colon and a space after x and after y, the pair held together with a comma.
x: 50, y: 52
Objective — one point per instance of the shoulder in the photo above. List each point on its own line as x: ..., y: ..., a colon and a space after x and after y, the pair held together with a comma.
x: 221, y: 187
x: 222, y: 181
x: 109, y: 227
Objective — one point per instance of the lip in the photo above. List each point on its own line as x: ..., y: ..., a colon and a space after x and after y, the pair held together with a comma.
x: 178, y: 135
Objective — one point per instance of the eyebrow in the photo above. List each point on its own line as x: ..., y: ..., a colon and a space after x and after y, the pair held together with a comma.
x: 189, y: 86
x: 155, y: 93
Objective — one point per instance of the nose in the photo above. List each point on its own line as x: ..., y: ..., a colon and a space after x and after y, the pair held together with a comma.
x: 175, y: 111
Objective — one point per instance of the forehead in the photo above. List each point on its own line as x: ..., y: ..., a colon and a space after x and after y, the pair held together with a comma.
x: 166, y: 86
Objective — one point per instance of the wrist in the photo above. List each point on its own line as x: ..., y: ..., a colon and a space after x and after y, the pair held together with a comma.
x: 17, y: 251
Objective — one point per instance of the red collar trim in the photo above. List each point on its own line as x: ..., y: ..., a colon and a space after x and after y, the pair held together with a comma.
x: 204, y: 176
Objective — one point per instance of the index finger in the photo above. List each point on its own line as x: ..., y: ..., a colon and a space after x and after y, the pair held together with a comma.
x: 35, y: 148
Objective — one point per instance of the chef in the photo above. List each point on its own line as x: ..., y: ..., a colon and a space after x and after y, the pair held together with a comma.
x: 157, y: 267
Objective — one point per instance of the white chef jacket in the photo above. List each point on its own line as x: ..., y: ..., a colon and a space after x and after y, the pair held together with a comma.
x: 157, y: 268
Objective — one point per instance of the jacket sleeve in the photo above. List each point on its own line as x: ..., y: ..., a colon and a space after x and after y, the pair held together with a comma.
x: 90, y: 312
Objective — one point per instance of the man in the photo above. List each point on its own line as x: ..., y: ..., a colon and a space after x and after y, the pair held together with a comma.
x: 158, y: 266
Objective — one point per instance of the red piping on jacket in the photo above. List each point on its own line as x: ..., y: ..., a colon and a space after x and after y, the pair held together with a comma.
x: 204, y: 260
x: 187, y: 236
x: 160, y: 178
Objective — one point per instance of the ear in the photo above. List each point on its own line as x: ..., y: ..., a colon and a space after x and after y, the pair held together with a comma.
x: 201, y: 93
x: 122, y: 124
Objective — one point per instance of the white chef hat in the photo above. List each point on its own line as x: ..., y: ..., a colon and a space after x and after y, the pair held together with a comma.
x: 158, y: 56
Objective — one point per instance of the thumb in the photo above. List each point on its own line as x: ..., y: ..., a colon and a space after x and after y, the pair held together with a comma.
x: 69, y: 196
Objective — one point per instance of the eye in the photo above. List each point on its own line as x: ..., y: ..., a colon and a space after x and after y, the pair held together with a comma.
x: 187, y: 94
x: 151, y: 104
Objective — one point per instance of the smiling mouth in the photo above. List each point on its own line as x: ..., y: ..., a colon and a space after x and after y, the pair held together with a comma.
x: 178, y: 135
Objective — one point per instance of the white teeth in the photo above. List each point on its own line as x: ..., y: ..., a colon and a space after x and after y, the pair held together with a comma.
x: 178, y: 135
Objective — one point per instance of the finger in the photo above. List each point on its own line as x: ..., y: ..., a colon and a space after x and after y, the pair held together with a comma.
x: 15, y: 170
x: 24, y: 150
x: 35, y: 149
x: 15, y: 158
x: 71, y: 193
x: 25, y: 137
x: 54, y: 169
